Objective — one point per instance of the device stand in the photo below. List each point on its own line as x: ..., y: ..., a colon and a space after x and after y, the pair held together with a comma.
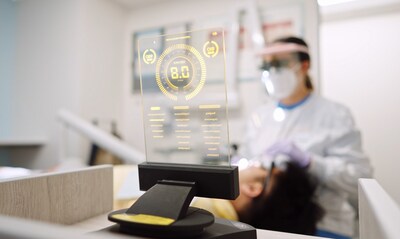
x: 164, y: 212
x: 169, y: 199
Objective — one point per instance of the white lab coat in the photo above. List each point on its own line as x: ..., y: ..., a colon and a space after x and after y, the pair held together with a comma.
x: 326, y: 130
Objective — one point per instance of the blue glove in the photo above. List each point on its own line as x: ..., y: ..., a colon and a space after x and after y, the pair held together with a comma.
x: 290, y: 149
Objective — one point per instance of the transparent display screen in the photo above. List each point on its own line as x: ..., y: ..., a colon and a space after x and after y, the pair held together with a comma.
x: 184, y: 98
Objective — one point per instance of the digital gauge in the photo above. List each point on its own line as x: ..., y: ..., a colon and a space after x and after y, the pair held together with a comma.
x: 180, y: 72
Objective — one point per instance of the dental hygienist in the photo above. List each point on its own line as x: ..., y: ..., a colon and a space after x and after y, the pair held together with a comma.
x: 314, y: 132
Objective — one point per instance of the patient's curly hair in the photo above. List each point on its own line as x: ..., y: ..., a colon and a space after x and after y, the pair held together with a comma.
x: 289, y: 206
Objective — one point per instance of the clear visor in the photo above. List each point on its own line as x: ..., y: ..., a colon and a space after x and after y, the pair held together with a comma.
x: 279, y: 61
x: 281, y: 47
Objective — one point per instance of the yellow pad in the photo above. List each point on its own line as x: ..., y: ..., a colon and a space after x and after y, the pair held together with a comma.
x: 145, y: 219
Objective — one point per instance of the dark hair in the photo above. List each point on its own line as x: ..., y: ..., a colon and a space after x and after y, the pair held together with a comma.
x: 290, y: 205
x: 302, y: 56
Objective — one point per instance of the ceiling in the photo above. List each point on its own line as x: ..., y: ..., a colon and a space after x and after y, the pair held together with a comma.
x: 137, y: 3
x: 353, y: 8
x: 347, y: 7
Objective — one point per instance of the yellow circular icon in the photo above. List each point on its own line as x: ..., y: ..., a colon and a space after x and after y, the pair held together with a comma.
x: 180, y: 72
x: 210, y: 49
x: 149, y: 56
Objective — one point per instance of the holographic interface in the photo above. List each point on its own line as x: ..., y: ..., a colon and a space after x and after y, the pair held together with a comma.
x: 185, y: 119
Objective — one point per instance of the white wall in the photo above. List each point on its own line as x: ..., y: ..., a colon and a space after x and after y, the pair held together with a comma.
x: 103, y: 30
x: 360, y: 67
x: 7, y: 57
x: 68, y: 55
x: 101, y: 84
x: 46, y: 75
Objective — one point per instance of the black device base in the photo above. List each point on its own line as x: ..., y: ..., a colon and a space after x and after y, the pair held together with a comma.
x: 220, y: 229
x: 190, y: 226
x: 211, y: 181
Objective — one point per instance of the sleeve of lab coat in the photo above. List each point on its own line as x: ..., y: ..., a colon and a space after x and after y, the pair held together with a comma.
x: 343, y: 161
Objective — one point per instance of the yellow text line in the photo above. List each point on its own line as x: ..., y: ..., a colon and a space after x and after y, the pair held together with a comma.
x: 209, y: 106
x: 211, y: 119
x: 181, y: 107
x: 182, y: 114
x: 156, y: 120
x: 181, y: 120
x: 182, y: 131
x: 213, y: 155
x: 178, y: 38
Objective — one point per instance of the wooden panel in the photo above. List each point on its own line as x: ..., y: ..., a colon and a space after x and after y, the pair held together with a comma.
x: 64, y: 198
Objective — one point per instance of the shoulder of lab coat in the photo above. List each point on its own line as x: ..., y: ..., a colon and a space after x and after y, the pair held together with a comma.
x: 343, y: 161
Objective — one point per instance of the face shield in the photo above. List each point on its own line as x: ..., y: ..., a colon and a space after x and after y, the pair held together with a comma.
x: 279, y: 77
x: 280, y: 67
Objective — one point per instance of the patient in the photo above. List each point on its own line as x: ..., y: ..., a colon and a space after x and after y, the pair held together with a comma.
x: 281, y: 199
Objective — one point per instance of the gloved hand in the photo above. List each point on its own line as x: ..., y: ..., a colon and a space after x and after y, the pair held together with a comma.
x: 290, y: 149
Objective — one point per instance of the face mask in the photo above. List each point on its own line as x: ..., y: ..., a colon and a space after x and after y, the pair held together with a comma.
x: 279, y: 82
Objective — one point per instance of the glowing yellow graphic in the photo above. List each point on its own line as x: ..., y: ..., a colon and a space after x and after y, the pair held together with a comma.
x: 149, y: 56
x: 180, y: 74
x: 213, y: 155
x: 145, y: 219
x: 209, y: 106
x: 184, y: 113
x: 181, y: 113
x: 181, y: 107
x: 155, y: 108
x: 178, y: 38
x: 210, y: 49
x: 180, y: 70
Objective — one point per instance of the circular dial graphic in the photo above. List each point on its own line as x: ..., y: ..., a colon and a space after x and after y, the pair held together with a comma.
x: 180, y: 72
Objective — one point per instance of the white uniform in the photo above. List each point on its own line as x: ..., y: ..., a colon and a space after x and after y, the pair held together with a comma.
x: 326, y: 130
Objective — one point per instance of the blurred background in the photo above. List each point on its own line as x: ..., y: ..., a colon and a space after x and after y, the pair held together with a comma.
x: 79, y: 55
